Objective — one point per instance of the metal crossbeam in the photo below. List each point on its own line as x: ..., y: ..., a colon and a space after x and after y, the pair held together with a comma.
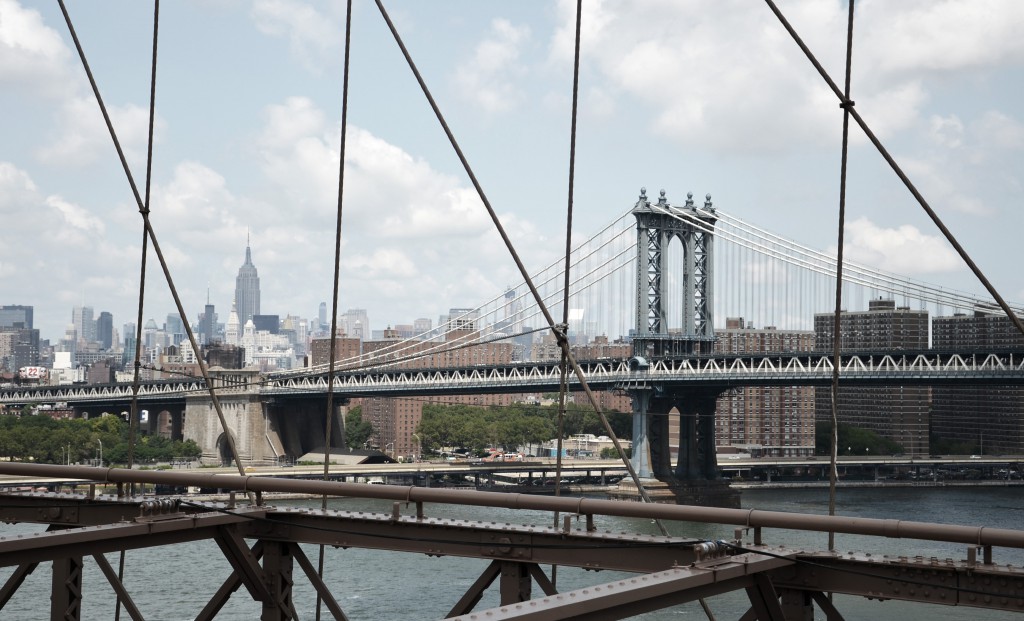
x: 636, y: 595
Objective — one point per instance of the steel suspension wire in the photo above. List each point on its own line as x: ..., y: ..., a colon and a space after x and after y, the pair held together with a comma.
x: 833, y: 475
x: 329, y: 414
x: 899, y: 171
x: 156, y: 246
x: 133, y: 411
x: 563, y: 384
x: 512, y: 251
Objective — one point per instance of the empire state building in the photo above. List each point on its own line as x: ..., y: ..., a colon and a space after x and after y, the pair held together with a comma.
x: 247, y: 289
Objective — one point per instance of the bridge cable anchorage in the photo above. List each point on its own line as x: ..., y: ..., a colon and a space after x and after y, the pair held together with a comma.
x: 256, y: 499
x: 846, y: 105
x: 899, y: 171
x: 329, y: 415
x: 512, y: 251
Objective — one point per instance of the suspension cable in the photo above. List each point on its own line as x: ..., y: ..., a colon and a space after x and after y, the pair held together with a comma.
x: 833, y: 475
x: 156, y: 248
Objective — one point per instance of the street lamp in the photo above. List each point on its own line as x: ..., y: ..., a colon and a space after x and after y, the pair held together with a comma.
x: 101, y: 451
x: 390, y: 451
x: 419, y: 447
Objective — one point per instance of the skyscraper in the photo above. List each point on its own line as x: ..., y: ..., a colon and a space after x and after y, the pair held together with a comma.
x: 85, y: 325
x: 247, y: 289
x: 105, y: 330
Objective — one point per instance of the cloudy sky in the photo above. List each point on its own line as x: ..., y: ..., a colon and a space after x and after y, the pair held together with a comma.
x: 689, y: 95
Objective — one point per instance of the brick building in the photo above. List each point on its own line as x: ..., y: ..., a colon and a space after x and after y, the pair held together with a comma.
x: 899, y: 413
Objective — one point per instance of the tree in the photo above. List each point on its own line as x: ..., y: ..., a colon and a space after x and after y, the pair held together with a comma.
x: 357, y: 431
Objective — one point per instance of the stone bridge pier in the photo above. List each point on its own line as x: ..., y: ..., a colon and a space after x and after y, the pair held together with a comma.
x: 264, y: 430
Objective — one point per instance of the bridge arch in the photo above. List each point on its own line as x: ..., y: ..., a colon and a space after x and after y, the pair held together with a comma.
x: 224, y: 448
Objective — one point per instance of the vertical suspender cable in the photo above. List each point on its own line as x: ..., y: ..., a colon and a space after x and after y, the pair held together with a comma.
x: 133, y: 411
x: 564, y: 366
x: 329, y: 415
x: 548, y: 318
x: 836, y: 340
x: 899, y: 171
x: 156, y: 248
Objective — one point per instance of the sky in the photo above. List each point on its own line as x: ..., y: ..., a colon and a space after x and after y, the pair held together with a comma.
x: 708, y: 96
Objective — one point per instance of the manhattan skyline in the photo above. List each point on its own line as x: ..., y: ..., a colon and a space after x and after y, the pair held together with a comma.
x: 251, y: 138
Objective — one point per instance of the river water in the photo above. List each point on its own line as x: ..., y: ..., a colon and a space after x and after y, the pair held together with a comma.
x: 173, y: 583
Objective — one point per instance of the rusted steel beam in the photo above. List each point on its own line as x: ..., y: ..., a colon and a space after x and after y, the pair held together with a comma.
x: 14, y: 581
x: 244, y: 563
x: 318, y: 584
x: 66, y: 589
x: 42, y: 547
x: 116, y: 584
x: 473, y: 594
x: 826, y: 605
x: 636, y: 595
x: 921, y: 580
x: 277, y: 571
x: 763, y: 599
x: 451, y: 537
x: 975, y: 535
x: 515, y: 584
x: 223, y: 594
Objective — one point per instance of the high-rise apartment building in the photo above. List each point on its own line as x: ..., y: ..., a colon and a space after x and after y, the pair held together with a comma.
x: 899, y: 413
x: 983, y: 419
x: 247, y: 290
x: 355, y: 323
x: 765, y: 421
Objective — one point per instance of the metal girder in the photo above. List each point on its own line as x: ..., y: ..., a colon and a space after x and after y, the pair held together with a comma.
x: 14, y: 581
x: 318, y: 584
x: 225, y: 591
x: 277, y: 575
x: 66, y: 589
x: 473, y: 594
x: 243, y: 562
x: 41, y: 547
x: 919, y: 580
x: 116, y: 584
x: 764, y: 601
x: 632, y: 596
x: 451, y: 537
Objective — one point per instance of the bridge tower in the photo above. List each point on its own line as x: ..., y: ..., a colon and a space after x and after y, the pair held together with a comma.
x: 660, y: 336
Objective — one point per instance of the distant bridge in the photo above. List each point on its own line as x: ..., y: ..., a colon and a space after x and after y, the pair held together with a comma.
x: 704, y: 371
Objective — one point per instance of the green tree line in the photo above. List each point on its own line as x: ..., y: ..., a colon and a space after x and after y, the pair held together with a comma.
x: 46, y: 440
x: 509, y: 427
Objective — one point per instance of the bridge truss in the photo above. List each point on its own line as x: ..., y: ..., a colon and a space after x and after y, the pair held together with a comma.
x: 261, y: 545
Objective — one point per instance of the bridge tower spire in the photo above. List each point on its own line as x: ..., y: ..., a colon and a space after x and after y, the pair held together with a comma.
x: 661, y: 336
x: 656, y: 228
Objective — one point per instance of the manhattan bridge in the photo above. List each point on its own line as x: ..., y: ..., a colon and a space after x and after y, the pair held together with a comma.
x: 662, y: 278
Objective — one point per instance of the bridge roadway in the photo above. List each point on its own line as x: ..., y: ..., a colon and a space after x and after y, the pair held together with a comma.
x: 926, y: 367
x: 572, y: 467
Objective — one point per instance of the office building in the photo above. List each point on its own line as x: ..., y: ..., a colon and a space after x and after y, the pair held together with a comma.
x: 247, y: 290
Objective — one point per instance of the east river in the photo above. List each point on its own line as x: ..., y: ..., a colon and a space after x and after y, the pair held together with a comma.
x: 173, y: 583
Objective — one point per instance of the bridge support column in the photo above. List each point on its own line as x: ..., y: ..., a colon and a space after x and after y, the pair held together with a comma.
x: 641, y: 457
x: 66, y: 589
x: 697, y: 459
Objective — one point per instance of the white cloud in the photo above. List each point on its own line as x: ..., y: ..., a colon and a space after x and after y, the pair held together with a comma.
x: 489, y: 77
x: 995, y: 130
x: 902, y: 250
x: 311, y: 34
x: 81, y: 135
x: 32, y: 55
x: 726, y: 75
x: 946, y: 131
